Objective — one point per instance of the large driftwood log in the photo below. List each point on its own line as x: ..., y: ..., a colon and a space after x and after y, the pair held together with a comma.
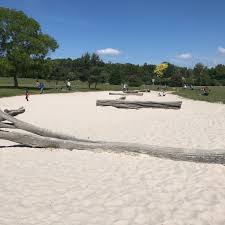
x: 204, y: 156
x: 35, y: 140
x: 139, y: 104
x: 125, y: 94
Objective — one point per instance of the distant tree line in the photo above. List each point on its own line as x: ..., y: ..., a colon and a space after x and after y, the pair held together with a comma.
x: 23, y: 51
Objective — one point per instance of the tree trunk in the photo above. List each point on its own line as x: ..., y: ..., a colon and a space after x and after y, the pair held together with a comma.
x: 180, y: 154
x: 50, y: 140
x: 139, y: 104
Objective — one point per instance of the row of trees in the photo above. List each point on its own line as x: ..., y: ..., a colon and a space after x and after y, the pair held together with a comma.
x: 92, y: 69
x: 23, y: 51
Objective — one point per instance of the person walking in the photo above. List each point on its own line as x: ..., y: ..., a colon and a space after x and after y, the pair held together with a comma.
x: 68, y: 85
x: 41, y: 86
x: 27, y: 95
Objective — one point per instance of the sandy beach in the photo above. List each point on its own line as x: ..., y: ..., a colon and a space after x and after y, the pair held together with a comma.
x: 46, y: 186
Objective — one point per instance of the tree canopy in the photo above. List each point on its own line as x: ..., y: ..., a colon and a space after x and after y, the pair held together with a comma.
x: 22, y: 42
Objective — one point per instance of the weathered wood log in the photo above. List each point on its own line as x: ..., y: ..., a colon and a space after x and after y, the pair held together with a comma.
x: 125, y: 94
x: 6, y: 125
x: 139, y: 104
x: 13, y: 112
x: 36, y: 140
x: 180, y: 154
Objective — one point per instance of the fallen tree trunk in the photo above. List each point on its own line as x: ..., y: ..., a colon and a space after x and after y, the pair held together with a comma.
x: 203, y: 156
x: 125, y: 94
x: 139, y: 104
x: 6, y: 125
x: 34, y: 140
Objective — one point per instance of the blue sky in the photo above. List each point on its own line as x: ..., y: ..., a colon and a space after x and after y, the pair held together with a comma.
x: 135, y: 31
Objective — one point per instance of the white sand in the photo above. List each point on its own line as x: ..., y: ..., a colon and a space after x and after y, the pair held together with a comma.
x: 80, y: 187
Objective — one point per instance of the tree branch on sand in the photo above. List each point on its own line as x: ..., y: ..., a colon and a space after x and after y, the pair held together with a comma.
x: 39, y: 137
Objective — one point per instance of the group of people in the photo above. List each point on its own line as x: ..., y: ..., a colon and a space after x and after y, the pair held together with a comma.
x: 41, y: 86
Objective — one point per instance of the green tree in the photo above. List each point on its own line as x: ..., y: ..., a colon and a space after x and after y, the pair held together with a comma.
x: 176, y: 79
x: 115, y: 77
x: 219, y: 72
x: 201, y: 74
x: 170, y: 70
x: 22, y: 41
x: 90, y: 68
x: 134, y: 80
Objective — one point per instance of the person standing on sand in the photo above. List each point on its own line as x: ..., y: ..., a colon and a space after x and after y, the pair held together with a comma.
x: 27, y: 95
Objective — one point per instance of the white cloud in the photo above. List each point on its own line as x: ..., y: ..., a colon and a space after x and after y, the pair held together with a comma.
x: 221, y: 50
x: 109, y: 52
x: 185, y: 56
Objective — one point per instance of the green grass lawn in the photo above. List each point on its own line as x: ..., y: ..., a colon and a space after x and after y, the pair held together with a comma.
x: 217, y: 94
x: 7, y: 89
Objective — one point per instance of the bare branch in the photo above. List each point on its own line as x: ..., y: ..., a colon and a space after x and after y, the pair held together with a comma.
x: 13, y: 112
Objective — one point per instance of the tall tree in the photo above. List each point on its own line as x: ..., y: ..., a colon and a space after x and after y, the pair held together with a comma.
x: 220, y: 72
x: 201, y: 74
x: 22, y: 41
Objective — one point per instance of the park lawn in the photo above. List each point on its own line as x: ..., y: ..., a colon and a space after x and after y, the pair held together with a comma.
x: 7, y: 89
x: 217, y: 93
